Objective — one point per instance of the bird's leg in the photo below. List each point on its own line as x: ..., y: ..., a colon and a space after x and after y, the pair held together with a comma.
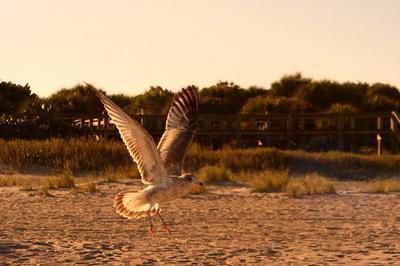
x: 151, y: 230
x: 166, y: 229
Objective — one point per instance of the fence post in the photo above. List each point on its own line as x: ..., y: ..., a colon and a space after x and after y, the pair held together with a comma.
x: 379, y: 143
x: 379, y: 125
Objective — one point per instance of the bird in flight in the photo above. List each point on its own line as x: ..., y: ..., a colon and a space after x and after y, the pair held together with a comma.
x: 160, y: 167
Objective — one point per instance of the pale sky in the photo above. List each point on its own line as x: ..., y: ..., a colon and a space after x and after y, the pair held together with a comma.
x: 127, y: 46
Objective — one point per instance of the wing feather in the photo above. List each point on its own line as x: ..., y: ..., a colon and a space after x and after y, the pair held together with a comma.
x: 140, y: 144
x: 179, y: 130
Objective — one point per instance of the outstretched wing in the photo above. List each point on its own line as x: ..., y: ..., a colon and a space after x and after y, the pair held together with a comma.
x: 179, y: 130
x: 140, y: 144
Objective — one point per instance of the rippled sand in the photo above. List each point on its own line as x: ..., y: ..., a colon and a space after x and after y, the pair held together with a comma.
x: 226, y: 225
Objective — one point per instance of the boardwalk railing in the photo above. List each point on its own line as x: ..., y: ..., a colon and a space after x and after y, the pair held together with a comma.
x: 319, y: 131
x: 310, y: 131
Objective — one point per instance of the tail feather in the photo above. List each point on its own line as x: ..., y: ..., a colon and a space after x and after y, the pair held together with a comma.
x: 134, y: 205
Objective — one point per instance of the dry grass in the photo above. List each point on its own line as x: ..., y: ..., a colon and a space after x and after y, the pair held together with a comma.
x: 60, y: 155
x: 89, y: 186
x: 266, y: 181
x: 28, y: 182
x: 112, y: 175
x: 264, y: 168
x: 236, y: 160
x: 210, y: 174
x: 111, y: 159
x: 66, y: 180
x: 384, y: 186
x: 269, y: 181
x: 7, y: 181
x: 198, y: 190
x: 312, y: 184
x: 45, y: 192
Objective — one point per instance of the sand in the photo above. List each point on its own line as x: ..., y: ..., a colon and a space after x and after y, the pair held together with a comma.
x: 226, y: 225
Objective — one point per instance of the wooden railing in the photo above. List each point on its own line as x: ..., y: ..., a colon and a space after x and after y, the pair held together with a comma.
x: 290, y: 131
x: 313, y: 131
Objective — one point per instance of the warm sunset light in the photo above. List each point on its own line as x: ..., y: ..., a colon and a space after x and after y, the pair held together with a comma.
x: 200, y: 132
x: 127, y: 46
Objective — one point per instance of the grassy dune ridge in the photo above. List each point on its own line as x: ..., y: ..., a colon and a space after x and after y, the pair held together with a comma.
x: 88, y: 155
x: 60, y: 155
x: 266, y: 169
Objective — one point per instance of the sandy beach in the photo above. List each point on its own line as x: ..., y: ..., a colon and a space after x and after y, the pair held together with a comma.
x: 226, y: 225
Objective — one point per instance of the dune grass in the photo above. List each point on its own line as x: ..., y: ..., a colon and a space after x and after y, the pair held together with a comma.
x: 45, y: 192
x: 269, y: 181
x: 111, y: 158
x: 43, y: 184
x: 213, y: 173
x: 236, y: 160
x: 384, y: 186
x: 65, y: 180
x: 60, y: 155
x: 89, y: 186
x: 265, y: 181
x: 266, y: 169
x: 312, y: 184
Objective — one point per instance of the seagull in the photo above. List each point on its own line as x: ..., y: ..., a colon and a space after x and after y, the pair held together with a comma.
x: 160, y: 167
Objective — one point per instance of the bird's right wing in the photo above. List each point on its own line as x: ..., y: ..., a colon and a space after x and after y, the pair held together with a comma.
x: 140, y: 144
x: 179, y: 130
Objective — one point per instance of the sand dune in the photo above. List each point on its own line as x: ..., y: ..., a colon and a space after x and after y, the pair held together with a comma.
x: 226, y: 225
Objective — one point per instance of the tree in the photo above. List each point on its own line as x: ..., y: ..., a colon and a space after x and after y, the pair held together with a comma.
x: 225, y: 97
x: 155, y: 101
x: 382, y: 97
x: 15, y: 98
x: 122, y: 100
x: 80, y: 99
x: 321, y: 95
x: 272, y: 104
x: 289, y: 85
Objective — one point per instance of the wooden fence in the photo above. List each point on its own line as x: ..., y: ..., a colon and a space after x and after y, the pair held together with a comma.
x: 309, y: 131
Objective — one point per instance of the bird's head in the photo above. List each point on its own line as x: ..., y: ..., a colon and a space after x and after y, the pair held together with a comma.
x: 191, y: 180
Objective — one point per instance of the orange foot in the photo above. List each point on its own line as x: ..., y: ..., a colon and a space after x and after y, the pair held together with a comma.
x: 152, y: 231
x: 166, y: 230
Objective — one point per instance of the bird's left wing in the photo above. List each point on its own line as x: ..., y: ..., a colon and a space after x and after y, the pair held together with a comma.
x: 140, y: 144
x: 179, y: 130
